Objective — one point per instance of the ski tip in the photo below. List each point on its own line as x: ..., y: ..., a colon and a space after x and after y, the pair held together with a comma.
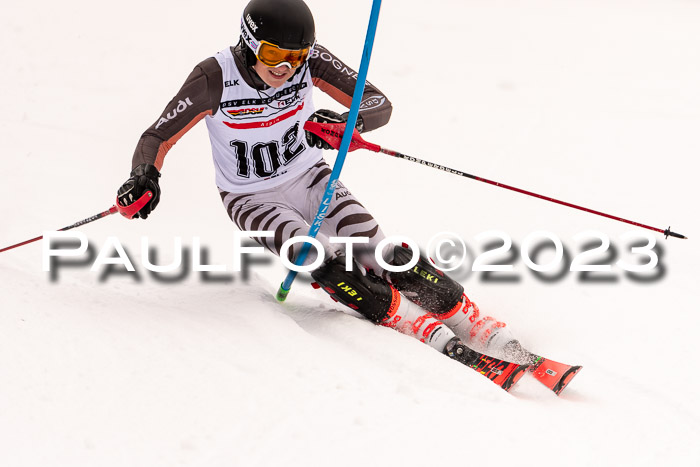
x: 566, y: 379
x: 515, y: 375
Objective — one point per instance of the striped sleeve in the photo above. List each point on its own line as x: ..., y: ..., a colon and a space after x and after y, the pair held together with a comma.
x: 338, y: 80
x: 199, y: 96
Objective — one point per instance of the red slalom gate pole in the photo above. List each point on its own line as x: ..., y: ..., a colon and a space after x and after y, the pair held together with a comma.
x: 332, y: 132
x: 126, y: 211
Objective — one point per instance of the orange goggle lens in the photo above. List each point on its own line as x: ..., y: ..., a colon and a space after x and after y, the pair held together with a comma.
x: 273, y: 56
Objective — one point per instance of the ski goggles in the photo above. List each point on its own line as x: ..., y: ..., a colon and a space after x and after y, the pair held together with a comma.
x: 272, y: 55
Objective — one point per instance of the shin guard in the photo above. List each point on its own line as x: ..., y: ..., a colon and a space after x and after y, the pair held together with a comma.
x: 424, y: 284
x: 381, y: 303
x: 368, y: 294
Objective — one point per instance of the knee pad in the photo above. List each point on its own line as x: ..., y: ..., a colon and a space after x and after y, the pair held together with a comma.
x: 367, y: 294
x: 424, y: 284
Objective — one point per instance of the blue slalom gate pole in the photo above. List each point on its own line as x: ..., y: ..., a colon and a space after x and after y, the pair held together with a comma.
x: 342, y: 151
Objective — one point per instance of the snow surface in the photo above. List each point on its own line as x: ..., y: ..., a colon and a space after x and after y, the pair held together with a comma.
x: 594, y: 102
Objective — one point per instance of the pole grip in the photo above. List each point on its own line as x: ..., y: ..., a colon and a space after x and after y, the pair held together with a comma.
x: 130, y: 211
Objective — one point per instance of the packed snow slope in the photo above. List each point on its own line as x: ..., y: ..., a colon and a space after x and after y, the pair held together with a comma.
x: 590, y: 101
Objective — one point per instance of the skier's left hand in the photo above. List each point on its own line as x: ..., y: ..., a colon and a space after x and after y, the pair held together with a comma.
x: 328, y: 116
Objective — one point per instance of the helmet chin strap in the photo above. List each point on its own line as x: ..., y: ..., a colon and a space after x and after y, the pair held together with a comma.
x: 247, y: 54
x: 305, y: 66
x: 246, y: 58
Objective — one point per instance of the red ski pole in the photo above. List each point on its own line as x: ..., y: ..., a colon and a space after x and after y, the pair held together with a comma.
x: 333, y: 132
x: 126, y: 211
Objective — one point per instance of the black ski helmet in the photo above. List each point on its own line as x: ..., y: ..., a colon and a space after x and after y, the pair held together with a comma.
x: 288, y: 24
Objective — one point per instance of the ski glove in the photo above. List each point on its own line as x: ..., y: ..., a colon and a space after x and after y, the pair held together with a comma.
x: 143, y: 178
x: 328, y: 116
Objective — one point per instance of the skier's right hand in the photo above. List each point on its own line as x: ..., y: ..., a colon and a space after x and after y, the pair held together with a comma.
x: 142, y: 179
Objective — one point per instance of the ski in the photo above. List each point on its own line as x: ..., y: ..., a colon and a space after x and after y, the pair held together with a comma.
x: 501, y: 372
x: 556, y: 376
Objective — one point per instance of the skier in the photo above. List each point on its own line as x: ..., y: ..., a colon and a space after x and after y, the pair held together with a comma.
x: 255, y: 98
